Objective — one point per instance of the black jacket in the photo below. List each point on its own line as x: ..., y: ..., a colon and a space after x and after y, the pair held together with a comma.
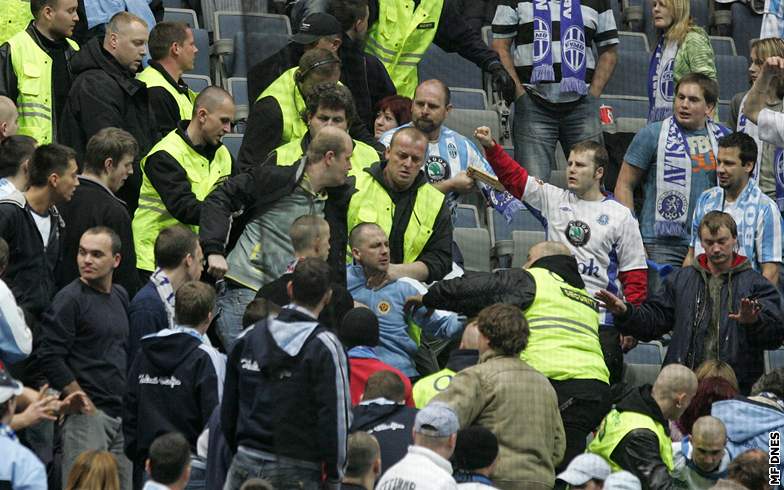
x: 164, y: 107
x: 171, y: 181
x: 287, y: 392
x: 391, y: 424
x: 93, y: 204
x: 254, y: 192
x: 638, y: 452
x: 469, y: 294
x: 173, y: 386
x: 437, y: 254
x: 62, y: 76
x: 31, y: 265
x: 683, y: 306
x: 106, y: 94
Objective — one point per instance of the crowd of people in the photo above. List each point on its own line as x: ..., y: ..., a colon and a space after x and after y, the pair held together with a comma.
x: 299, y: 316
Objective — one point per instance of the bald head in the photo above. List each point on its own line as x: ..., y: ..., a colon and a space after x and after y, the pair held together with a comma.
x: 436, y: 85
x: 213, y: 113
x: 211, y: 98
x: 329, y: 138
x: 708, y: 437
x: 546, y: 249
x: 8, y: 117
x: 674, y: 389
x: 709, y: 428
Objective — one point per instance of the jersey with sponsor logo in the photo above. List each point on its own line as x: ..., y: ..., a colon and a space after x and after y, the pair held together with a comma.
x: 603, y: 235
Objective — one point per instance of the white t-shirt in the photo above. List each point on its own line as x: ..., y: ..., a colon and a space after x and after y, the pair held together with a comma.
x: 44, y: 225
x: 603, y: 235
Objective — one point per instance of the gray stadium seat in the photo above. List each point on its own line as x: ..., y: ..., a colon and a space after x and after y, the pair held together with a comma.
x: 466, y: 216
x: 474, y: 243
x: 646, y: 353
x: 633, y: 41
x: 468, y: 98
x: 524, y: 220
x: 629, y: 124
x: 733, y: 75
x: 228, y: 24
x: 173, y: 4
x: 187, y: 16
x: 774, y: 359
x: 465, y: 121
x: 723, y: 45
x: 724, y: 113
x: 197, y: 83
x: 522, y: 241
x: 700, y: 13
x: 746, y: 25
x: 634, y: 78
x: 635, y: 375
x: 233, y: 143
x: 201, y: 65
x: 450, y: 68
x: 252, y: 48
x: 627, y: 105
x: 238, y: 88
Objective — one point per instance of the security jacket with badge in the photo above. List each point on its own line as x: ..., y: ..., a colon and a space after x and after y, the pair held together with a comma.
x: 106, y: 94
x: 174, y: 384
x: 171, y: 100
x: 700, y: 331
x: 257, y: 190
x: 635, y: 437
x: 287, y: 393
x: 39, y: 106
x: 436, y: 251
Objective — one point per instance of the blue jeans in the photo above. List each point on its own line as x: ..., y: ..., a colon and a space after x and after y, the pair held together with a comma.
x: 282, y: 475
x: 231, y: 303
x: 663, y: 254
x: 538, y: 126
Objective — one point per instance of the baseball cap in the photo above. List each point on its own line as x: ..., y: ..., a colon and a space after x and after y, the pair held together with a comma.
x: 622, y: 480
x: 436, y: 420
x: 315, y: 26
x: 585, y: 467
x: 8, y: 386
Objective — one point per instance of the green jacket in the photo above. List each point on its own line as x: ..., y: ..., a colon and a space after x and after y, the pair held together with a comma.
x: 695, y: 55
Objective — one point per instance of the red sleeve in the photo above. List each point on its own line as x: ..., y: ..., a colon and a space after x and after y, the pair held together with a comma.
x: 635, y: 285
x: 509, y: 172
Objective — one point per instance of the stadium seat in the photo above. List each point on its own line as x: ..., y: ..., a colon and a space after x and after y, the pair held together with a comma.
x: 466, y: 216
x: 746, y: 25
x: 228, y: 24
x: 524, y: 220
x: 629, y: 124
x: 635, y: 375
x: 646, y: 353
x: 233, y: 143
x: 634, y: 79
x: 635, y: 42
x: 468, y: 98
x: 450, y: 68
x: 172, y: 4
x: 252, y: 48
x: 627, y: 105
x: 616, y: 8
x: 201, y: 65
x: 522, y: 241
x: 474, y: 243
x: 238, y: 88
x: 723, y: 45
x: 733, y: 75
x: 465, y: 121
x: 774, y: 359
x: 700, y: 12
x: 197, y: 83
x: 187, y: 16
x: 724, y: 113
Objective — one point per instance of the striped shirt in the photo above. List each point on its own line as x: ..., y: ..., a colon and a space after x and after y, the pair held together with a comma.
x: 514, y: 19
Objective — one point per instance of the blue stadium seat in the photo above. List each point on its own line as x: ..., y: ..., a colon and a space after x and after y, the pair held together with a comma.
x: 733, y: 75
x: 723, y: 46
x: 522, y: 221
x: 627, y: 106
x: 187, y: 16
x: 746, y: 26
x: 233, y: 143
x: 197, y: 83
x: 474, y: 243
x: 646, y: 353
x: 634, y: 78
x: 201, y: 65
x: 468, y: 98
x: 700, y: 13
x: 466, y: 216
x: 774, y: 359
x: 450, y: 68
x: 634, y: 42
x: 238, y: 88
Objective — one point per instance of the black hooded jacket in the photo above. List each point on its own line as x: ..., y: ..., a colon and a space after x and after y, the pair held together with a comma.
x: 174, y: 384
x: 392, y: 425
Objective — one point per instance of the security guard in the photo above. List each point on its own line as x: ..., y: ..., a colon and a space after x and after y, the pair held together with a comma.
x: 635, y: 436
x: 564, y: 321
x: 173, y: 51
x: 401, y: 31
x: 35, y: 67
x: 180, y: 171
x: 396, y: 196
x: 16, y: 15
x: 328, y: 105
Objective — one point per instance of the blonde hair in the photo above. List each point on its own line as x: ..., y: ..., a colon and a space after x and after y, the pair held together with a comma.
x: 94, y: 470
x: 681, y: 20
x: 768, y: 47
x: 720, y: 369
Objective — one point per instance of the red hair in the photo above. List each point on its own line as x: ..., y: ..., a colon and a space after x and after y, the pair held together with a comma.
x: 399, y: 106
x: 709, y: 390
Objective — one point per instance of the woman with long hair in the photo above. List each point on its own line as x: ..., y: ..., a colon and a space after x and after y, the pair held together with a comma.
x: 683, y: 48
x: 94, y: 470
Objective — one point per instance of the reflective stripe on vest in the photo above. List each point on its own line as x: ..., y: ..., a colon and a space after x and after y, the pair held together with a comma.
x: 284, y: 89
x: 428, y: 387
x: 363, y: 156
x: 614, y: 428
x: 400, y: 37
x: 16, y: 17
x: 151, y: 216
x: 371, y: 204
x: 564, y: 324
x: 153, y: 78
x: 33, y: 70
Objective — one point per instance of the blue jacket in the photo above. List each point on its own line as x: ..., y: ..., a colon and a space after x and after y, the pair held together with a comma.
x: 748, y: 424
x: 146, y: 315
x: 396, y: 347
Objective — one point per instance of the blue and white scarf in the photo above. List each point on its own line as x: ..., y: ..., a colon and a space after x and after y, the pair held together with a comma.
x: 748, y: 127
x: 673, y: 177
x: 6, y: 431
x: 748, y: 203
x: 573, y: 46
x: 163, y: 287
x: 661, y: 80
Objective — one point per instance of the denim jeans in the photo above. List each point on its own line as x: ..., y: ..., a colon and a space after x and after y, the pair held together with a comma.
x: 231, y: 303
x: 95, y: 432
x: 663, y: 254
x: 538, y: 126
x: 282, y: 475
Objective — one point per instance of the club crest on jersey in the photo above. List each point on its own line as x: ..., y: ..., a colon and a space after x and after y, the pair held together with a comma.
x: 578, y: 233
x: 436, y: 169
x: 672, y: 205
x: 574, y: 48
x: 383, y: 307
x: 452, y: 150
x: 603, y: 219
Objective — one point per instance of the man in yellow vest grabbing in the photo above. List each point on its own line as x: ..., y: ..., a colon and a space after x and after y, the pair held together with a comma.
x: 180, y: 171
x: 635, y: 435
x: 35, y: 67
x: 173, y: 51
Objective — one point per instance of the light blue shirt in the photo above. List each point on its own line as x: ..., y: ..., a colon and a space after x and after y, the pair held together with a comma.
x: 20, y: 466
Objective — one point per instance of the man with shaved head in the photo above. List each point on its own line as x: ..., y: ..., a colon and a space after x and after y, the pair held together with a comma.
x: 181, y: 170
x: 634, y: 435
x: 700, y: 460
x: 564, y: 321
x: 8, y: 118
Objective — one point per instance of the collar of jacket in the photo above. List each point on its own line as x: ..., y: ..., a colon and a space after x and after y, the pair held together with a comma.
x: 377, y: 171
x: 640, y: 400
x: 45, y: 44
x: 563, y: 265
x: 92, y: 181
x: 103, y: 60
x: 739, y: 263
x: 490, y: 354
x: 178, y: 85
x: 206, y: 150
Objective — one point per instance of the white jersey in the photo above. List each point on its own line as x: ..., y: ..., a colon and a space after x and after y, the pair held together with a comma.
x: 603, y: 235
